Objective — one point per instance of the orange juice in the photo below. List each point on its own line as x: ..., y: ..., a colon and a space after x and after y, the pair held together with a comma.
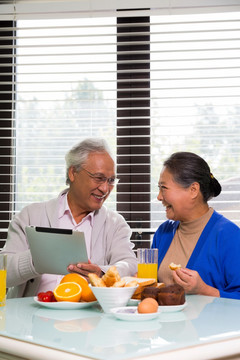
x: 3, y: 277
x: 147, y: 271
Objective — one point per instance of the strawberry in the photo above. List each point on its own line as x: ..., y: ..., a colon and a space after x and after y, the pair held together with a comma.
x: 46, y: 296
x: 50, y: 293
x: 40, y: 296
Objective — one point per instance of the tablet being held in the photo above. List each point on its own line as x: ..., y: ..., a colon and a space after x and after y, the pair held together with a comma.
x: 90, y: 178
x: 53, y: 249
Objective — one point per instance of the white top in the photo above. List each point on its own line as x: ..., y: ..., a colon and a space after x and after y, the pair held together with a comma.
x: 67, y: 221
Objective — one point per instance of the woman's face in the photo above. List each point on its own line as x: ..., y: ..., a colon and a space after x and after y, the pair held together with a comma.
x: 176, y: 199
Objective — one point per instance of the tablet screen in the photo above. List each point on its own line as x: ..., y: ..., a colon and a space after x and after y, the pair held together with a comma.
x: 53, y: 249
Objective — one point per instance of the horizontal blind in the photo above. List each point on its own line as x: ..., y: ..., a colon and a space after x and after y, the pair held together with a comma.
x: 195, y: 88
x: 159, y: 84
x: 195, y: 96
x: 133, y: 124
x: 6, y: 146
x: 59, y: 89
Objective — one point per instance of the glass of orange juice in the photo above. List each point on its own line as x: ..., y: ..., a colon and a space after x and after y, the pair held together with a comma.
x: 147, y: 263
x: 3, y: 279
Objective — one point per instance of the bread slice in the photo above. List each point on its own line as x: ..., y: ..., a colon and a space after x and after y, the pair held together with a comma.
x: 160, y: 285
x: 95, y: 280
x: 173, y: 266
x: 141, y: 287
x: 131, y: 283
x: 120, y: 283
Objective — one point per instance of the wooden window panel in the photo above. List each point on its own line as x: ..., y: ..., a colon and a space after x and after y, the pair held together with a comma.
x: 6, y: 97
x: 133, y: 124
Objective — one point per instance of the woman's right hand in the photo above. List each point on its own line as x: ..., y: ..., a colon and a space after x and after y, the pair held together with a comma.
x: 192, y: 283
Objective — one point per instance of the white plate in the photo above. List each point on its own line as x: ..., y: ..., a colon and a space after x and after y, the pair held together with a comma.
x: 163, y: 308
x: 64, y: 305
x: 130, y: 313
x: 172, y: 308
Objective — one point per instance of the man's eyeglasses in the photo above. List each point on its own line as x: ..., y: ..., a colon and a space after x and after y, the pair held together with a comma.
x: 102, y: 179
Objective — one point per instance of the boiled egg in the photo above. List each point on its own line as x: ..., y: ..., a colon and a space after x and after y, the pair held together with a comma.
x: 148, y: 305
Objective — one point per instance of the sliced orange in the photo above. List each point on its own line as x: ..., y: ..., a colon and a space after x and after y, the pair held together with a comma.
x: 87, y: 294
x: 68, y: 291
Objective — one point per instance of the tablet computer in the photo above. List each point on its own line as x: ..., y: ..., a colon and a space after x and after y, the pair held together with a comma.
x: 54, y: 249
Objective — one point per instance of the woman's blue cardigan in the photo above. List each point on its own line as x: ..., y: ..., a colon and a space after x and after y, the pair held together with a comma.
x: 216, y: 256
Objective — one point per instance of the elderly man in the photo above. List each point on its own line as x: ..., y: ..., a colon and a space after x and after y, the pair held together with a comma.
x: 91, y: 177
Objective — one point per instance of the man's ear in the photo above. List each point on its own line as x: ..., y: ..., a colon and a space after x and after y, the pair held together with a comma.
x: 71, y: 172
x: 195, y: 189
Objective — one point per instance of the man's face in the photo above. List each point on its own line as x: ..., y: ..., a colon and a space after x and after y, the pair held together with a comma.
x: 86, y: 194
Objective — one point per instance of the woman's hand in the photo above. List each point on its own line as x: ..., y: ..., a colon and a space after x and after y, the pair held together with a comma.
x: 84, y: 269
x: 192, y: 283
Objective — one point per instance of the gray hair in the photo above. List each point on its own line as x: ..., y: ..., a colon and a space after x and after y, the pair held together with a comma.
x: 79, y: 153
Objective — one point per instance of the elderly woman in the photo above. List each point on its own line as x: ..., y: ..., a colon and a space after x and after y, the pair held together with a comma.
x: 205, y: 243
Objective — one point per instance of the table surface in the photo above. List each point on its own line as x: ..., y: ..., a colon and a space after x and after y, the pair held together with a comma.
x: 205, y: 321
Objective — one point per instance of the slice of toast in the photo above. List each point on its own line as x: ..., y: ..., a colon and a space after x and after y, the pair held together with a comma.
x: 95, y: 280
x: 142, y: 285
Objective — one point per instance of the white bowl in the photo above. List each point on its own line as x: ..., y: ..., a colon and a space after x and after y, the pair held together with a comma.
x: 111, y: 297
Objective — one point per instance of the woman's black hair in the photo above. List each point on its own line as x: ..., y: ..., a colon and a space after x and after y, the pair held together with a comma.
x: 187, y: 167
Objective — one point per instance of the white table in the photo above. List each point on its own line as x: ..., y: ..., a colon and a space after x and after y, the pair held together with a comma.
x: 208, y: 328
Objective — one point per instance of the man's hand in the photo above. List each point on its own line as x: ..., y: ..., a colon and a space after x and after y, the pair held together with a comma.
x: 192, y: 283
x: 83, y: 269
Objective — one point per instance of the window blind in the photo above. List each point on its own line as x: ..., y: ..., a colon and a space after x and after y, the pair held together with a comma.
x: 133, y: 123
x: 60, y: 89
x: 151, y: 80
x: 195, y: 88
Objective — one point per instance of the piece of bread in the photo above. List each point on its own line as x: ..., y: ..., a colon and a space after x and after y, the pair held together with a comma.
x: 173, y: 266
x: 132, y: 283
x: 159, y: 285
x: 141, y: 287
x: 111, y: 276
x: 95, y: 280
x: 120, y: 283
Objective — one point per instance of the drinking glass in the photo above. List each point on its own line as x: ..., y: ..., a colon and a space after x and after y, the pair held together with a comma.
x: 3, y: 279
x: 147, y: 263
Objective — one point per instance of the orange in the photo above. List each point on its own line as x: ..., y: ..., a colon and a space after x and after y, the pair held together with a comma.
x: 68, y: 291
x: 87, y: 294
